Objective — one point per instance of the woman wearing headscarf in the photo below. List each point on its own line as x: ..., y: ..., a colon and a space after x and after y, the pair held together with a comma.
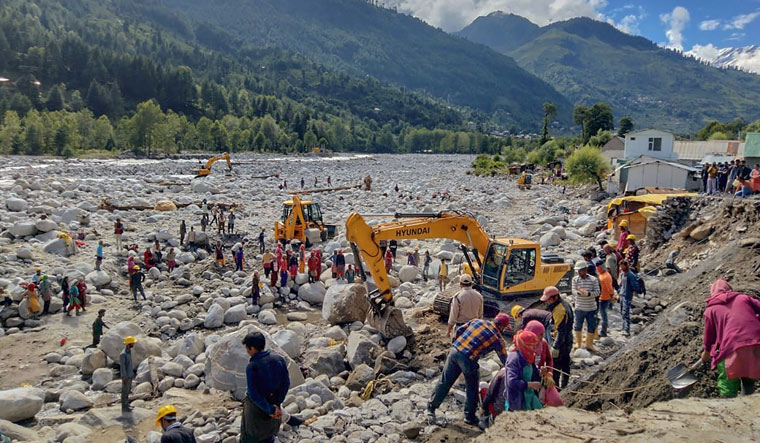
x: 314, y: 267
x: 732, y: 339
x: 46, y: 292
x: 340, y: 265
x: 255, y: 288
x: 293, y: 266
x: 32, y: 300
x: 545, y: 363
x: 522, y: 383
x: 302, y: 259
x: 388, y: 260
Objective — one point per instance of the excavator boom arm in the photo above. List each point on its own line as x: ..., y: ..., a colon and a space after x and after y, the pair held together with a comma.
x: 212, y: 160
x: 366, y: 238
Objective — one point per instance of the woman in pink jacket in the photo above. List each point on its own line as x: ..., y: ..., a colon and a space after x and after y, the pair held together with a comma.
x: 732, y: 339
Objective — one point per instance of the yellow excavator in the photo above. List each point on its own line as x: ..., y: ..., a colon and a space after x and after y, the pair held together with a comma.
x: 202, y: 172
x: 504, y: 268
x: 298, y: 216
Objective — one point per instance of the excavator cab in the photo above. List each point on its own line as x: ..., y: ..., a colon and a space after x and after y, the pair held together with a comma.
x: 298, y: 216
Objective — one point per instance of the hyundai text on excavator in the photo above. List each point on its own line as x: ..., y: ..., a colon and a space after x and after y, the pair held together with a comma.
x: 299, y: 216
x: 504, y: 268
x: 202, y: 172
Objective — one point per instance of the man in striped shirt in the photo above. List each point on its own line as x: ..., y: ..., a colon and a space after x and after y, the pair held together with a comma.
x: 586, y: 289
x: 474, y: 339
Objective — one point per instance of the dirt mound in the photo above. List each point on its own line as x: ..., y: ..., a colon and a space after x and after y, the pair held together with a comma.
x: 636, y: 376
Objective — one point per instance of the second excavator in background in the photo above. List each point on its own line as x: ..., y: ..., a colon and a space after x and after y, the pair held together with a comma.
x: 202, y: 172
x: 503, y: 268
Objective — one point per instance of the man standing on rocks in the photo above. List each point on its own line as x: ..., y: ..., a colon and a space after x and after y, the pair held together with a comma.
x: 629, y: 283
x: 99, y: 255
x: 670, y: 262
x: 46, y: 292
x: 174, y: 432
x: 135, y: 283
x: 605, y: 299
x: 426, y: 265
x: 466, y: 305
x: 268, y: 383
x: 231, y: 222
x: 473, y: 340
x: 182, y: 232
x: 632, y: 254
x: 562, y: 338
x: 127, y: 372
x: 192, y: 242
x: 97, y: 328
x: 443, y: 275
x: 611, y: 262
x: 261, y: 241
x: 118, y: 230
x: 585, y: 290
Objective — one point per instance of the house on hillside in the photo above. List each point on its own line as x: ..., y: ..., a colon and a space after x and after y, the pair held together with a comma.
x: 614, y: 150
x: 752, y: 149
x: 651, y: 143
x: 650, y: 172
x: 696, y: 152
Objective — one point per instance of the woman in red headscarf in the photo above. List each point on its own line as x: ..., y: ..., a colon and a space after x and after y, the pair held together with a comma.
x: 545, y: 363
x: 522, y: 383
x: 388, y: 260
x: 732, y: 339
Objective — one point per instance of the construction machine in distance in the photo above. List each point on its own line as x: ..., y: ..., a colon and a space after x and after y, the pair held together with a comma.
x: 504, y: 268
x: 298, y: 216
x: 202, y: 172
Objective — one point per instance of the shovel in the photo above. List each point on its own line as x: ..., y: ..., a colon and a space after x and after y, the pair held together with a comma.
x: 680, y: 376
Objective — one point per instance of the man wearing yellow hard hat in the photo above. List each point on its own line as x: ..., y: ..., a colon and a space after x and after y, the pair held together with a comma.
x: 127, y: 372
x: 622, y: 242
x: 174, y: 432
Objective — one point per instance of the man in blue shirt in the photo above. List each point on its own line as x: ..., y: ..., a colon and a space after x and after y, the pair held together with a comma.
x: 268, y: 383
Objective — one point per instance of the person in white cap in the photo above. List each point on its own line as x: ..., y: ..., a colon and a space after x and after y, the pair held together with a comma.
x: 466, y: 305
x: 585, y: 291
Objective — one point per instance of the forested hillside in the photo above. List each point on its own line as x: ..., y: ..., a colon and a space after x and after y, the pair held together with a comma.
x: 356, y: 37
x: 76, y: 70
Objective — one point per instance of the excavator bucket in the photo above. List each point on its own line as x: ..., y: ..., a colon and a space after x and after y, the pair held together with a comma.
x: 389, y: 321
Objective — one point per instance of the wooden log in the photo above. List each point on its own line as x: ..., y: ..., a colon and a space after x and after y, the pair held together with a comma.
x: 314, y: 191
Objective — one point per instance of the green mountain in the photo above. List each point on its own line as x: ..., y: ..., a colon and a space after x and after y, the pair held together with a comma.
x: 589, y: 61
x: 361, y: 39
x: 91, y: 58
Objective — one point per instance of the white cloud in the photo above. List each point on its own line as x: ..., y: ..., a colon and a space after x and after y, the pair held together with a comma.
x: 453, y: 15
x: 676, y: 22
x: 709, y: 25
x: 708, y: 52
x: 740, y: 21
x: 630, y: 24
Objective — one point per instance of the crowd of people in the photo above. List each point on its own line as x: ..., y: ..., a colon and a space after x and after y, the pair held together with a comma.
x: 735, y: 178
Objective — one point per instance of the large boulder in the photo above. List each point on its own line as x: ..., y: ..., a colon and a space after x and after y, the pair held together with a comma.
x: 98, y: 278
x: 18, y: 433
x: 289, y: 341
x: 235, y: 314
x: 22, y: 229
x: 112, y: 343
x: 359, y: 377
x: 56, y: 246
x: 345, y: 304
x: 550, y: 239
x: 588, y: 229
x: 361, y: 349
x: 328, y: 361
x: 227, y: 359
x: 24, y: 253
x: 214, y: 316
x: 701, y: 232
x: 313, y: 293
x: 75, y: 401
x: 191, y: 345
x: 45, y: 225
x: 101, y: 377
x: 202, y: 187
x: 267, y: 317
x: 20, y: 403
x: 408, y: 273
x: 16, y: 204
x: 165, y: 205
x: 93, y: 361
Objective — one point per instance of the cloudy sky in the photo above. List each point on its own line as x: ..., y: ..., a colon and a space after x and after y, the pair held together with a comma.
x: 701, y: 26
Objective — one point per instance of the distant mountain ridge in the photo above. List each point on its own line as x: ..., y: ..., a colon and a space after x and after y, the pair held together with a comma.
x: 590, y: 61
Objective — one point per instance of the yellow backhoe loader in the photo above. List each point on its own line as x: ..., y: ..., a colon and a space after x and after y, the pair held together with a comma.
x: 202, y: 172
x: 298, y: 216
x: 504, y: 268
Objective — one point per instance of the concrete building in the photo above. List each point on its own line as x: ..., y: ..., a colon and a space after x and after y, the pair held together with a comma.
x: 651, y: 143
x: 614, y: 150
